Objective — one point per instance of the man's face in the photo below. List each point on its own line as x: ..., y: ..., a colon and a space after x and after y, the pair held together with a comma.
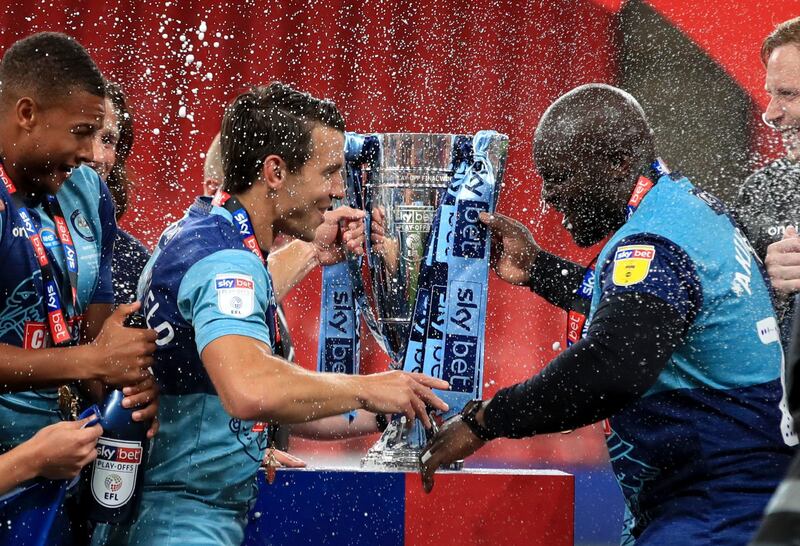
x: 783, y: 86
x: 60, y: 139
x: 580, y: 187
x: 307, y: 194
x: 105, y: 141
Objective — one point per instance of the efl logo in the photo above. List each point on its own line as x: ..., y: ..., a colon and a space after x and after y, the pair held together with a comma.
x: 235, y: 294
x: 632, y: 264
x: 131, y: 455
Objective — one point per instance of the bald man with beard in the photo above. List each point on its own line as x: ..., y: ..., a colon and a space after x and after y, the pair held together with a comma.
x: 680, y: 349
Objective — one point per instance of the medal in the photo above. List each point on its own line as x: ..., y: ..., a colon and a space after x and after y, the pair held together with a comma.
x: 67, y: 403
x: 272, y: 464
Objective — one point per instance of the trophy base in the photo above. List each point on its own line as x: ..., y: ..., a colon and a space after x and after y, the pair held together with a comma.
x: 394, y: 451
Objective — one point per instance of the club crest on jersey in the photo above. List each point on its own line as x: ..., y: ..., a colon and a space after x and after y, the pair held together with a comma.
x: 632, y: 264
x: 81, y: 226
x: 235, y: 294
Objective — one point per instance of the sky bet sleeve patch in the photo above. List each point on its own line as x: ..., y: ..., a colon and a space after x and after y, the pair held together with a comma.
x: 645, y: 263
x: 235, y: 294
x: 632, y: 264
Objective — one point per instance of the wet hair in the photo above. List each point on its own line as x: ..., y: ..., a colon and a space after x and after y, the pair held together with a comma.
x: 48, y: 66
x: 270, y: 120
x: 118, y: 180
x: 787, y: 32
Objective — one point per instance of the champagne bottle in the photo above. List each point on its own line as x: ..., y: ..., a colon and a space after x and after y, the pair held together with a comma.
x: 117, y: 473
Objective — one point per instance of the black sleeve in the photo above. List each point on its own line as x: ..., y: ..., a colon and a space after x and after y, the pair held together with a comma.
x: 754, y: 215
x: 630, y: 340
x: 555, y: 279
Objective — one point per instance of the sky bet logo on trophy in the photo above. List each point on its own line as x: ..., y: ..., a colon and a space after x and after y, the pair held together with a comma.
x: 421, y: 288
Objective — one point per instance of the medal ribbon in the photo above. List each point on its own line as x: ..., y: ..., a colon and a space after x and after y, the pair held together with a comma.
x: 241, y: 220
x: 338, y: 349
x: 446, y: 339
x: 56, y: 314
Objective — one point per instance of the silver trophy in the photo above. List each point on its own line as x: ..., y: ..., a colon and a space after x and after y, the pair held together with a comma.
x: 401, y: 187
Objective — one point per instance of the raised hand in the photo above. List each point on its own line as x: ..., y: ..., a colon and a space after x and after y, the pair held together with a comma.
x: 513, y: 248
x: 342, y: 229
x: 783, y: 263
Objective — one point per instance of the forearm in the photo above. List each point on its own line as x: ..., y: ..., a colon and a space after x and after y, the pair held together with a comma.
x: 297, y: 396
x: 26, y: 369
x: 337, y: 427
x: 618, y: 361
x: 16, y: 467
x: 254, y: 384
x: 289, y: 265
x: 555, y: 279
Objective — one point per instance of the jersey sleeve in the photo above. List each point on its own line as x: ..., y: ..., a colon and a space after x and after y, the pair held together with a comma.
x: 654, y: 265
x: 226, y: 293
x: 108, y: 223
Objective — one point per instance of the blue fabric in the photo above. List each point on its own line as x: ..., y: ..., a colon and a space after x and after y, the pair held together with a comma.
x: 671, y: 274
x: 449, y: 320
x: 191, y: 295
x: 699, y: 455
x: 36, y: 516
x: 89, y: 213
x: 130, y: 257
x: 173, y: 518
x: 338, y: 348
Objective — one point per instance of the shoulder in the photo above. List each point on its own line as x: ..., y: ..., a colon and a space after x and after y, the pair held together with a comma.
x: 229, y: 268
x: 127, y: 240
x: 774, y: 175
x: 631, y: 257
x: 234, y: 281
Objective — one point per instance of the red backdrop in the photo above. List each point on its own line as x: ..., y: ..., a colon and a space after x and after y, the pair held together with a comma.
x: 456, y: 66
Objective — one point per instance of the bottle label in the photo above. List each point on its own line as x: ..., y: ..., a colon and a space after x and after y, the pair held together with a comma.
x: 115, y: 469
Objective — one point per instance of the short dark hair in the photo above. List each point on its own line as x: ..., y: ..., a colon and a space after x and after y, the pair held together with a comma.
x: 49, y: 65
x: 118, y: 179
x: 787, y: 32
x: 267, y: 120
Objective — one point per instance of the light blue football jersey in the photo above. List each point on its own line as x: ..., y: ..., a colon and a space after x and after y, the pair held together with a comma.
x: 89, y: 212
x: 201, y: 284
x: 703, y: 449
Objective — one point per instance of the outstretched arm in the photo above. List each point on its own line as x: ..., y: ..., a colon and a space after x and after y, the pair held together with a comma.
x: 254, y: 384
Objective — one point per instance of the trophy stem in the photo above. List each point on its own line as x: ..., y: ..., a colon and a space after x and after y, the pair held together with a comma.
x: 399, y: 448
